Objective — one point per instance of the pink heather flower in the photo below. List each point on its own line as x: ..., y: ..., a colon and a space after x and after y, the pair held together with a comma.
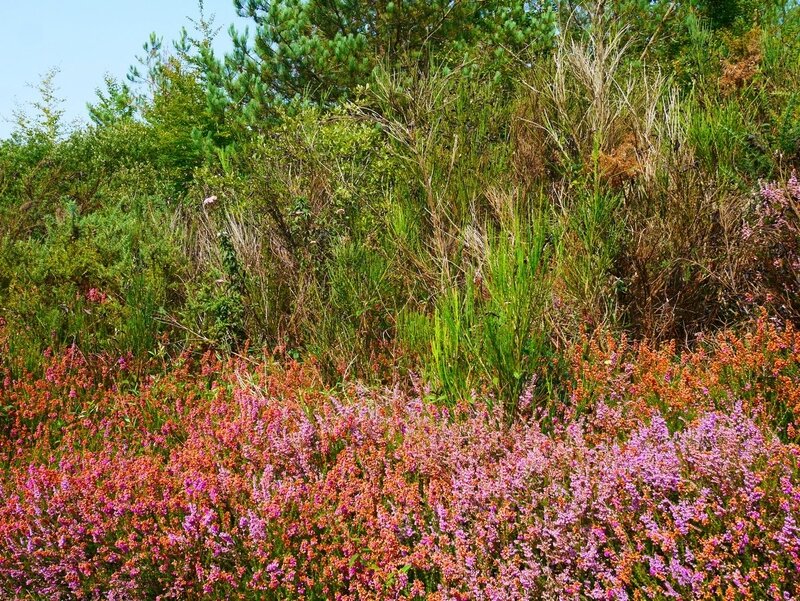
x: 657, y: 567
x: 95, y: 296
x: 793, y: 186
x: 274, y: 569
x: 526, y: 398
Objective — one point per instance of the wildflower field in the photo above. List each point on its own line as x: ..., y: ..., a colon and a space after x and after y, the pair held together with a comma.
x: 476, y: 300
x: 665, y: 478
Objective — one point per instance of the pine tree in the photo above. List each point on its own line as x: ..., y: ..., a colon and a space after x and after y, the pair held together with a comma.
x: 324, y: 49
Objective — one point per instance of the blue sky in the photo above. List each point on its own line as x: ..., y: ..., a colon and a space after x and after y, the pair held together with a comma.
x: 85, y: 39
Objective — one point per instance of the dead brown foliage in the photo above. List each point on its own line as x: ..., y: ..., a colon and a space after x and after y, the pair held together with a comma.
x: 740, y: 69
x: 621, y: 164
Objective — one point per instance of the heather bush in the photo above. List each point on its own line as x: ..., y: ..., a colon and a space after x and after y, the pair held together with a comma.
x: 250, y: 481
x: 774, y: 233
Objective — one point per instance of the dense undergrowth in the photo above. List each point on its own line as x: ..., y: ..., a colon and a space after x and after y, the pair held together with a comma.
x: 473, y: 300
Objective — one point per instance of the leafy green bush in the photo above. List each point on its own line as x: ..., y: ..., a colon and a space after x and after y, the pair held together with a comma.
x: 95, y: 280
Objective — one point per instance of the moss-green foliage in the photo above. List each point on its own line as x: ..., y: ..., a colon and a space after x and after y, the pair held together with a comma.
x: 453, y: 189
x: 119, y: 251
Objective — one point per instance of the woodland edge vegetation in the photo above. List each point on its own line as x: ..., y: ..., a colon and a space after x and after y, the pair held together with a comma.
x: 484, y: 299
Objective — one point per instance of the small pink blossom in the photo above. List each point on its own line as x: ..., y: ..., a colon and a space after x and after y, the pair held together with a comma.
x: 95, y: 296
